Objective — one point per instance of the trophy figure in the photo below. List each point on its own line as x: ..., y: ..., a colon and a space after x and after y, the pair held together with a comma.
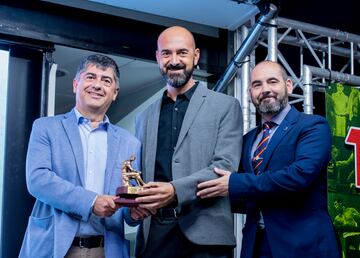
x: 131, y: 184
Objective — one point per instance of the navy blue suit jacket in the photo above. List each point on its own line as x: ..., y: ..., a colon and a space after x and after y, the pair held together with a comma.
x: 291, y: 192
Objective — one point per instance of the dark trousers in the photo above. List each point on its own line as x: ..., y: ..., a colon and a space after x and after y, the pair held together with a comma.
x: 166, y: 240
x: 262, y: 247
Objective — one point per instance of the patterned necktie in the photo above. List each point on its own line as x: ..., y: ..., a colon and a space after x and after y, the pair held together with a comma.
x: 261, y: 147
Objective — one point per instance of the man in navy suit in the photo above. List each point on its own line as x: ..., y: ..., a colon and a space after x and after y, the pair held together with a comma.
x: 285, y: 198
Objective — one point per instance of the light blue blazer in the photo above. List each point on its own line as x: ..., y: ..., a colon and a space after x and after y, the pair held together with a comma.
x: 55, y: 177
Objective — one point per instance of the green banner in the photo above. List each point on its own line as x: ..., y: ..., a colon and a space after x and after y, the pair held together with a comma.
x: 343, y: 115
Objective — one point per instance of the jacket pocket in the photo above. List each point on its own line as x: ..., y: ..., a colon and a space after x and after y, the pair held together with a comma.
x: 40, y: 237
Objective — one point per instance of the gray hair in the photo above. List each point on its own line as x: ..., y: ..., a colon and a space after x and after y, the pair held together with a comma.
x: 100, y: 61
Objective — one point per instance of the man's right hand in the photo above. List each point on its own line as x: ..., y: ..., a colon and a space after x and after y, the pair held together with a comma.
x: 138, y: 213
x: 215, y: 187
x: 105, y: 206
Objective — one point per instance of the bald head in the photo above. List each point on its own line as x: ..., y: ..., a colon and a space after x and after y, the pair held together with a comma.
x: 272, y: 67
x: 176, y: 33
x: 177, y: 56
x: 269, y: 88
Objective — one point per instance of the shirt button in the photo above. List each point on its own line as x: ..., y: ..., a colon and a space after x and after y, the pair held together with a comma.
x: 174, y: 128
x: 91, y: 172
x: 176, y: 109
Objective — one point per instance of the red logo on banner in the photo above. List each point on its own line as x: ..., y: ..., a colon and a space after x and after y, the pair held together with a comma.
x: 353, y: 138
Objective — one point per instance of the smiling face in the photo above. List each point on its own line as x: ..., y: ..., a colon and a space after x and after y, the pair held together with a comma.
x: 269, y: 88
x: 95, y: 89
x: 177, y: 56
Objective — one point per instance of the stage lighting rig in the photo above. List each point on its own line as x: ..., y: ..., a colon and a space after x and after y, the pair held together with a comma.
x: 262, y: 5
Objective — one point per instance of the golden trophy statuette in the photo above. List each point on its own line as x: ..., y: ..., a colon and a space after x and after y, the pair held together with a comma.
x: 131, y: 184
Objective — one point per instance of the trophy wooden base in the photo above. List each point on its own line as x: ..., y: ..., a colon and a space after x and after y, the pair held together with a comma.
x: 126, y: 202
x: 128, y: 190
x: 127, y: 195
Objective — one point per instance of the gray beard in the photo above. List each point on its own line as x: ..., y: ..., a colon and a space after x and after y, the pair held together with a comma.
x: 272, y: 108
x: 177, y: 80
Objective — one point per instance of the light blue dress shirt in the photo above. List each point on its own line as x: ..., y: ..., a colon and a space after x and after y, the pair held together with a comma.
x: 94, y: 145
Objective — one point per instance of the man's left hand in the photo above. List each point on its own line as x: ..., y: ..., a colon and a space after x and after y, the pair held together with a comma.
x: 215, y: 187
x: 156, y: 195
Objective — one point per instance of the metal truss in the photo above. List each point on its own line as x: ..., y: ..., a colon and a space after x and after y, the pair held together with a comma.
x: 324, y: 55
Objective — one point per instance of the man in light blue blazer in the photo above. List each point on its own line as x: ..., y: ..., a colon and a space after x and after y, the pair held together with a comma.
x: 282, y: 188
x: 73, y: 168
x: 184, y: 135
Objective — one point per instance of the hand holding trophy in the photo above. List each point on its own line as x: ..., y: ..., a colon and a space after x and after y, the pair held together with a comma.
x: 131, y: 184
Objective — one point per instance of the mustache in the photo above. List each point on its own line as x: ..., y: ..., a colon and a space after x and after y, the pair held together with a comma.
x: 267, y: 95
x: 175, y: 67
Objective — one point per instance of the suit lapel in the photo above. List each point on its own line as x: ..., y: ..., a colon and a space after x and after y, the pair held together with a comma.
x: 71, y: 128
x: 151, y: 140
x: 279, y: 134
x: 194, y: 106
x: 113, y: 145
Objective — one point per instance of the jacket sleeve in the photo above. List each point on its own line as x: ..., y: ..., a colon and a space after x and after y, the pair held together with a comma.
x: 46, y: 185
x: 225, y: 153
x: 296, y: 163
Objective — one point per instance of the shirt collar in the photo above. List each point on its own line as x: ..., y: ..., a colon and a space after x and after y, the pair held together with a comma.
x: 187, y: 94
x: 84, y: 120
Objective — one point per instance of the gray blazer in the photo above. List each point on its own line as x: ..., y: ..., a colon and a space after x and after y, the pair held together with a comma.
x: 55, y: 177
x: 211, y: 135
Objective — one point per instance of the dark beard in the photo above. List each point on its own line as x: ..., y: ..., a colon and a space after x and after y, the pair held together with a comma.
x: 177, y: 80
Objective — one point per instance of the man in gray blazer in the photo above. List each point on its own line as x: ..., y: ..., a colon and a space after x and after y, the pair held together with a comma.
x: 73, y: 168
x: 184, y: 135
